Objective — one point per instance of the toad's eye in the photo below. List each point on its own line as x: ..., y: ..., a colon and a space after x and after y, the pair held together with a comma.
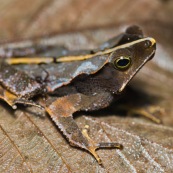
x: 122, y: 63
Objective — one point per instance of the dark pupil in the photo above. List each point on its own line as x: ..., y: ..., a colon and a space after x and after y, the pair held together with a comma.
x: 123, y: 62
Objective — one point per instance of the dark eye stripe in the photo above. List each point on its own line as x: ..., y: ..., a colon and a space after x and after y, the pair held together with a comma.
x: 122, y: 63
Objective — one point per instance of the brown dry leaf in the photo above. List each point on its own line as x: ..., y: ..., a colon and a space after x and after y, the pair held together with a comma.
x: 30, y: 142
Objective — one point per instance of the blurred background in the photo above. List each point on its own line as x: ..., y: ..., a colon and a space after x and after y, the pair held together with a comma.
x: 35, y: 18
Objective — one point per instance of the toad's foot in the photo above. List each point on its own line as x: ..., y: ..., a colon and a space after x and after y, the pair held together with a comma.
x: 61, y: 111
x: 94, y: 146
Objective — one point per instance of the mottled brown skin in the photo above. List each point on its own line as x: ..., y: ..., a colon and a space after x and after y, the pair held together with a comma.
x: 11, y: 79
x: 17, y: 86
x: 86, y: 91
x: 95, y: 92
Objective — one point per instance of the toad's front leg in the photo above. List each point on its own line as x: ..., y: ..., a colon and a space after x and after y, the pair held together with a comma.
x: 61, y: 111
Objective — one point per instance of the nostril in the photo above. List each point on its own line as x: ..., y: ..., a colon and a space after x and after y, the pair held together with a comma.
x: 151, y: 42
x: 148, y: 44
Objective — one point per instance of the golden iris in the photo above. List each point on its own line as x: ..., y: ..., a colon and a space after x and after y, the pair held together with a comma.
x: 122, y: 63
